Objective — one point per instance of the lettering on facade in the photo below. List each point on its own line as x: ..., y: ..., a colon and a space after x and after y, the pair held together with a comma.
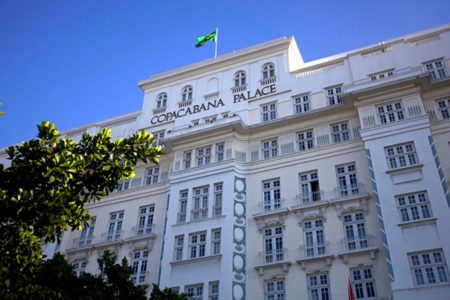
x: 267, y: 90
x: 186, y: 111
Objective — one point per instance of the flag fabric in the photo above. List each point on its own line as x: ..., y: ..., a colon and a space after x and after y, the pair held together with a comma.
x: 201, y: 40
x: 351, y: 295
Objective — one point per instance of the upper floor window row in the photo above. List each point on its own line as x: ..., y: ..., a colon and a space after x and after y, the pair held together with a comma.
x: 436, y: 69
x: 186, y: 94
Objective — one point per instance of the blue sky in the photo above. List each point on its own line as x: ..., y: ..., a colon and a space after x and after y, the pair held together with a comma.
x: 78, y: 62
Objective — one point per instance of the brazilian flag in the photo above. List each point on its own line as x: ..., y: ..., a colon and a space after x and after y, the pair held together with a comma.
x: 201, y: 40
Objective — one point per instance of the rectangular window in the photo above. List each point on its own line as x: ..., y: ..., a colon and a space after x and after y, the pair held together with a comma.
x: 302, y: 104
x: 152, y: 176
x: 347, y: 180
x: 200, y: 203
x: 273, y: 245
x: 271, y: 194
x: 355, y: 232
x: 145, y: 220
x: 178, y: 248
x: 305, y: 140
x: 187, y: 157
x: 399, y: 156
x: 215, y: 241
x: 269, y: 148
x: 123, y: 185
x: 363, y: 283
x: 197, y: 244
x: 183, y: 206
x: 115, y: 226
x: 218, y: 196
x: 340, y: 132
x: 428, y: 267
x: 414, y: 206
x: 390, y: 113
x: 139, y: 265
x: 444, y: 108
x: 274, y: 290
x: 314, y: 238
x: 80, y: 267
x: 213, y: 290
x: 203, y: 156
x: 318, y: 287
x: 309, y: 187
x: 334, y: 95
x: 87, y: 233
x: 220, y: 151
x: 436, y: 69
x: 159, y: 136
x: 381, y: 75
x: 268, y: 112
x: 195, y: 291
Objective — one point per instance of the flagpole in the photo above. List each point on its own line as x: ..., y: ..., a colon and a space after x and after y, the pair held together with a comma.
x: 217, y: 37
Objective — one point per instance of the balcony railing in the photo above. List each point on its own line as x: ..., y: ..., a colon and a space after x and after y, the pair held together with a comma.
x: 199, y: 214
x: 108, y: 237
x: 314, y: 250
x: 158, y: 110
x: 274, y: 256
x: 240, y: 88
x: 310, y: 197
x: 272, y: 205
x: 184, y: 103
x: 268, y: 81
x: 357, y: 243
x: 181, y: 218
x: 79, y: 243
x: 142, y: 230
x: 139, y: 278
x: 350, y: 191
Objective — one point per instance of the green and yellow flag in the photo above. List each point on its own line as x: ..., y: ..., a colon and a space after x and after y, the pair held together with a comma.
x: 201, y: 40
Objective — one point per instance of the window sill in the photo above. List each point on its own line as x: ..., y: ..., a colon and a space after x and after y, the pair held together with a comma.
x: 404, y: 169
x: 201, y: 220
x: 196, y: 260
x: 420, y: 222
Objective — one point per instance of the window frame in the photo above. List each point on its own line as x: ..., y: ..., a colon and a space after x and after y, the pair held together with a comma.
x: 115, y: 222
x: 178, y: 247
x: 443, y: 107
x: 152, y: 175
x: 334, y: 94
x: 161, y: 100
x: 406, y: 158
x: 240, y: 79
x: 274, y: 289
x: 197, y: 246
x: 391, y: 112
x: 268, y: 112
x: 305, y: 140
x: 422, y: 268
x: 145, y: 219
x: 340, y: 135
x: 203, y: 155
x: 216, y: 241
x: 319, y: 286
x: 268, y: 70
x: 200, y: 202
x: 272, y: 148
x: 139, y: 265
x: 302, y: 103
x: 187, y: 93
x: 436, y: 69
x: 218, y: 199
x: 414, y: 207
x: 361, y: 283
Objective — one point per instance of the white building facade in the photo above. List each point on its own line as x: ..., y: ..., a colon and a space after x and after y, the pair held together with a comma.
x: 283, y: 179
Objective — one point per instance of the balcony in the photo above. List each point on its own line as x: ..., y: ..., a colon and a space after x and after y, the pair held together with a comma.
x: 274, y: 206
x: 139, y: 278
x: 184, y: 103
x: 159, y: 110
x: 352, y: 192
x: 358, y: 245
x: 80, y: 244
x: 273, y: 258
x: 315, y: 252
x: 109, y: 238
x: 267, y: 81
x: 199, y: 214
x: 141, y: 232
x: 238, y: 89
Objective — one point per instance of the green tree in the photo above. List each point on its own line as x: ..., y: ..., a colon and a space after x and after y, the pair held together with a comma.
x: 166, y: 294
x: 45, y: 188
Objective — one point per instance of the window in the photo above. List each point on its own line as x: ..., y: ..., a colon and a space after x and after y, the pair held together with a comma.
x: 436, y: 69
x: 305, y: 140
x: 314, y: 238
x: 158, y: 137
x: 220, y: 151
x: 123, y: 185
x: 178, y: 249
x: 389, y: 113
x: 87, y: 233
x: 215, y: 241
x: 444, y: 108
x: 268, y: 112
x: 275, y: 290
x: 428, y: 267
x: 139, y: 265
x: 402, y: 155
x: 302, y: 104
x: 115, y: 226
x: 363, y: 283
x: 334, y: 95
x: 151, y: 177
x: 381, y: 75
x: 203, y: 156
x: 80, y: 267
x: 187, y: 159
x: 355, y: 231
x: 273, y: 245
x: 340, y: 132
x: 318, y: 287
x: 218, y: 196
x: 200, y: 203
x: 347, y: 180
x: 197, y: 244
x: 414, y: 206
x: 213, y: 290
x: 183, y: 206
x: 309, y: 187
x: 161, y: 100
x: 145, y: 220
x: 270, y: 148
x: 186, y: 93
x: 271, y: 193
x: 195, y: 291
x: 268, y: 71
x: 239, y: 79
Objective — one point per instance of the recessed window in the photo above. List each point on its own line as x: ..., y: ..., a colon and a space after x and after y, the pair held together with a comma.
x: 363, y: 282
x: 436, y: 69
x: 269, y: 148
x: 240, y: 79
x: 124, y: 185
x: 187, y: 158
x: 139, y: 266
x: 390, y: 113
x: 309, y: 187
x: 381, y: 75
x: 152, y: 176
x: 182, y: 206
x: 403, y: 155
x: 428, y: 267
x: 305, y: 140
x: 413, y: 207
x: 197, y: 244
x: 161, y: 100
x: 273, y: 245
x: 195, y: 291
x: 355, y: 232
x: 203, y: 156
x: 444, y: 108
x: 274, y: 289
x: 314, y: 238
x: 158, y: 136
x: 87, y: 233
x: 268, y: 112
x: 271, y: 194
x: 80, y: 267
x: 347, y: 180
x: 178, y: 247
x: 215, y: 241
x: 220, y: 151
x: 145, y: 220
x: 115, y: 226
x: 340, y: 132
x: 334, y: 95
x: 186, y: 93
x: 218, y: 197
x: 214, y: 290
x: 319, y: 287
x: 268, y: 71
x: 200, y: 203
x: 302, y: 103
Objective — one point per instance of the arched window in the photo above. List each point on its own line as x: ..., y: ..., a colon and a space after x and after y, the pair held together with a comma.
x: 161, y: 100
x: 268, y: 71
x: 186, y: 94
x: 239, y: 78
